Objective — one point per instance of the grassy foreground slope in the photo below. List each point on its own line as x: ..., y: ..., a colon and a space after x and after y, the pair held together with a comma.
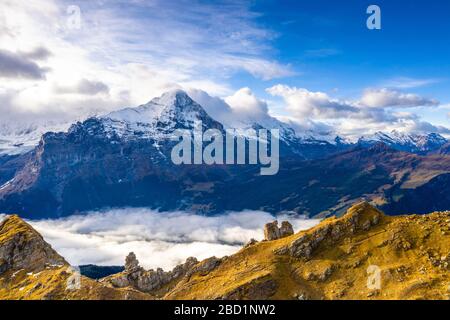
x: 332, y: 260
x: 362, y: 255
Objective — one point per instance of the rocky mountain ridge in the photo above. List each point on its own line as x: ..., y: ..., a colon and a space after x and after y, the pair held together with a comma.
x: 413, y: 143
x: 333, y: 260
x: 175, y: 109
x: 123, y: 160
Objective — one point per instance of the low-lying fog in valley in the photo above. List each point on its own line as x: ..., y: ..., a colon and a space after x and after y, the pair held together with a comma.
x: 159, y: 239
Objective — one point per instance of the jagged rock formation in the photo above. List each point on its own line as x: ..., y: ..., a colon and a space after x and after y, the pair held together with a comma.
x: 250, y: 243
x: 148, y: 281
x: 273, y: 232
x: 132, y: 263
x: 339, y: 258
x: 286, y: 229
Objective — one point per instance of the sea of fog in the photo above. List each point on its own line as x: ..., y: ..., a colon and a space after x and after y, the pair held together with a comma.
x: 159, y: 239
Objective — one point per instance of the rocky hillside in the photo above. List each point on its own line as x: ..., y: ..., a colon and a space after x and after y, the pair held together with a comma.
x: 445, y: 149
x: 31, y: 269
x: 362, y: 255
x: 335, y: 260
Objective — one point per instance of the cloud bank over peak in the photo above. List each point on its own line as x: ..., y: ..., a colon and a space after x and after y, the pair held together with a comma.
x: 244, y: 102
x: 51, y: 72
x: 101, y: 65
x: 240, y: 109
x: 377, y: 110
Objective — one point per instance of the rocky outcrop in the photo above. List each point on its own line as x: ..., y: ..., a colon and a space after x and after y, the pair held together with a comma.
x: 252, y: 242
x: 150, y: 280
x: 273, y: 232
x: 205, y: 266
x: 21, y: 247
x: 286, y: 229
x: 132, y: 263
x: 360, y: 217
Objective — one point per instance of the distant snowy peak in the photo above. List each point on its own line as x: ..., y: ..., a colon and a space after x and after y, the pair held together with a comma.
x: 242, y: 127
x: 312, y: 137
x: 418, y: 143
x: 17, y: 139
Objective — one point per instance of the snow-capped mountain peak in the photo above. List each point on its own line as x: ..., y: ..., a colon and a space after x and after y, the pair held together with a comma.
x: 157, y: 119
x: 175, y: 97
x: 173, y: 110
x: 172, y: 103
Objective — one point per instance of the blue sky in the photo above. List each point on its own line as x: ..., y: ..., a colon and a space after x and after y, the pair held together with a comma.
x: 312, y: 63
x: 328, y: 45
x: 329, y: 40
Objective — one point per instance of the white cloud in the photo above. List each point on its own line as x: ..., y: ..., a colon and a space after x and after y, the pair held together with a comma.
x: 158, y: 239
x: 377, y: 110
x: 84, y: 86
x: 303, y: 103
x: 237, y: 110
x: 136, y: 56
x: 408, y: 83
x: 39, y: 53
x: 22, y: 66
x: 61, y: 75
x: 216, y: 107
x: 419, y: 126
x: 245, y: 103
x: 305, y: 127
x: 317, y: 113
x: 380, y: 98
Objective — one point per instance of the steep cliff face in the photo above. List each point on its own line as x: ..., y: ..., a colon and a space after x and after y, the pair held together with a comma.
x: 361, y: 255
x: 21, y: 247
